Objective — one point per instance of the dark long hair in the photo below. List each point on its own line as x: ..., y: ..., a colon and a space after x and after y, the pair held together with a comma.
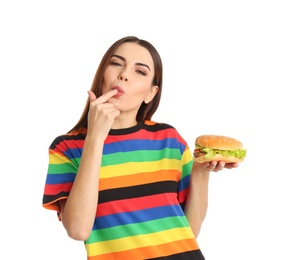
x: 145, y: 111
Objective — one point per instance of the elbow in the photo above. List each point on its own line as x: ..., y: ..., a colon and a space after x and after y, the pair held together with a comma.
x: 78, y: 234
x: 77, y: 231
x: 196, y: 225
x: 196, y: 231
x: 77, y: 228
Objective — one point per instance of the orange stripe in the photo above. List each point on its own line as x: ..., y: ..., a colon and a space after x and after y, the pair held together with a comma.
x: 151, y: 251
x: 149, y: 122
x: 54, y: 205
x: 134, y: 179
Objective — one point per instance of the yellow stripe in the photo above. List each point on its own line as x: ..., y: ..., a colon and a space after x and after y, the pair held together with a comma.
x: 137, y: 167
x: 187, y: 156
x: 57, y: 159
x: 130, y: 243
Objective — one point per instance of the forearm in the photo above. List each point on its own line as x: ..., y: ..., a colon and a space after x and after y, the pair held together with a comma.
x: 80, y: 208
x: 197, y: 201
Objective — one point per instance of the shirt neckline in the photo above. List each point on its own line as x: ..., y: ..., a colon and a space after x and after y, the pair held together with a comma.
x: 128, y: 130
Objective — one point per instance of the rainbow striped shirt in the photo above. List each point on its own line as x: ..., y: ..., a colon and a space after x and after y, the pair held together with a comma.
x: 144, y: 180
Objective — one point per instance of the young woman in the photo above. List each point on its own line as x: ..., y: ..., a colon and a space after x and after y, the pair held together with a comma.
x: 125, y: 185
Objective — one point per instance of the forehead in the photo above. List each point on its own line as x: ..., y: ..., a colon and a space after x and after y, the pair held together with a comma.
x: 133, y: 52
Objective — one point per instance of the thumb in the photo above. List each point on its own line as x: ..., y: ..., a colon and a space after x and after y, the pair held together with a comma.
x: 91, y: 95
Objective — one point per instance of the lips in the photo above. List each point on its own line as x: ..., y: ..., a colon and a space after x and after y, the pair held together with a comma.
x: 120, y: 91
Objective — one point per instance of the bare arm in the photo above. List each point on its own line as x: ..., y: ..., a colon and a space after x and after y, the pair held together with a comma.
x: 197, y: 200
x: 79, y: 210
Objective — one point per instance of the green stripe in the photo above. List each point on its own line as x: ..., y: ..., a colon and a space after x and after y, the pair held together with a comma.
x: 140, y: 156
x: 62, y: 168
x: 137, y: 229
x: 187, y: 168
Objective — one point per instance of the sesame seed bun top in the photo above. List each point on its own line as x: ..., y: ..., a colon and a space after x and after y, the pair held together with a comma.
x: 218, y: 142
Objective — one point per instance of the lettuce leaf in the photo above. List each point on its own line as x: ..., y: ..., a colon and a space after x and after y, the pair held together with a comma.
x: 240, y: 153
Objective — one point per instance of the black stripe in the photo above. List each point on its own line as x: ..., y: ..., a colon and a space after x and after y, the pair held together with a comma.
x: 81, y: 136
x: 137, y: 191
x: 191, y: 255
x: 63, y: 138
x: 51, y: 198
x: 141, y: 125
x: 157, y: 127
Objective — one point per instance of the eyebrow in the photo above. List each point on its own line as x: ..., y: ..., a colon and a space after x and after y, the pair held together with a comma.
x: 137, y: 63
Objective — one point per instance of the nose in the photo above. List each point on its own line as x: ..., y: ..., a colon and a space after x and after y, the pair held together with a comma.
x: 123, y: 76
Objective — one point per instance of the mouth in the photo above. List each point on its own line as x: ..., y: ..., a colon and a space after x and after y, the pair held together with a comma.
x: 120, y: 91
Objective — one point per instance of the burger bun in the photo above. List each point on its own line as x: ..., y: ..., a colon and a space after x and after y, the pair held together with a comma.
x: 218, y: 142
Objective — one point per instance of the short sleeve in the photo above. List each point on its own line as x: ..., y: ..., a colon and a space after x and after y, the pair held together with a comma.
x: 62, y: 169
x: 184, y: 183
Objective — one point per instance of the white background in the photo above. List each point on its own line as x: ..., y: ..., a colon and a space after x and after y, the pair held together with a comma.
x: 222, y: 75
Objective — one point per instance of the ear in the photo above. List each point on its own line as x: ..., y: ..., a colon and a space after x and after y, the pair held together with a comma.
x: 151, y: 95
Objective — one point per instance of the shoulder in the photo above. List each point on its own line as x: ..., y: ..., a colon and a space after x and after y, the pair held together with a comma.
x: 165, y: 132
x: 153, y: 125
x: 164, y: 128
x: 69, y: 138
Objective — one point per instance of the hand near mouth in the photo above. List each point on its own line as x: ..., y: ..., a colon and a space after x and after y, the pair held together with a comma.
x: 101, y: 114
x: 120, y: 91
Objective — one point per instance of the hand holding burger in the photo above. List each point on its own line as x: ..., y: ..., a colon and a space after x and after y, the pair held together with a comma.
x: 218, y: 148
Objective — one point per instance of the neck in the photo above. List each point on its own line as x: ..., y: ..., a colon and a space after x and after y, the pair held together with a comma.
x: 124, y: 122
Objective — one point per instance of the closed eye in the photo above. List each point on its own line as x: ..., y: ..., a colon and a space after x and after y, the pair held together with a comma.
x: 115, y: 63
x: 141, y: 72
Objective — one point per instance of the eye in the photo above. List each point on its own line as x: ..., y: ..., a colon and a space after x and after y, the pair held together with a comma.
x: 141, y: 72
x: 114, y: 63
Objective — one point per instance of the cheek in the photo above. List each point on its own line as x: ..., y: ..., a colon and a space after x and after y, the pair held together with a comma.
x: 107, y: 79
x: 107, y: 76
x: 143, y: 87
x: 144, y: 90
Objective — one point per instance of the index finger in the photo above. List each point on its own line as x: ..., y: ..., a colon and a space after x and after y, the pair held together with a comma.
x: 105, y: 97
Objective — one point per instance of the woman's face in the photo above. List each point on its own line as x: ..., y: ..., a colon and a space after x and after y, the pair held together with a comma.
x: 130, y: 71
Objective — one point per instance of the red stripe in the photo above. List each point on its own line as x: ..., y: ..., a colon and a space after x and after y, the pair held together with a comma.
x: 182, y: 195
x: 144, y: 134
x: 133, y: 204
x: 53, y: 189
x: 68, y: 144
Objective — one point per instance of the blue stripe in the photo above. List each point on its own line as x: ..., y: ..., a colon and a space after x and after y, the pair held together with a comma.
x: 137, y: 216
x: 73, y: 153
x: 184, y: 183
x: 133, y: 145
x: 60, y: 178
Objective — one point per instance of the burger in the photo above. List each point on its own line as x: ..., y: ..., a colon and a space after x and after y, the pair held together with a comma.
x: 218, y: 148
